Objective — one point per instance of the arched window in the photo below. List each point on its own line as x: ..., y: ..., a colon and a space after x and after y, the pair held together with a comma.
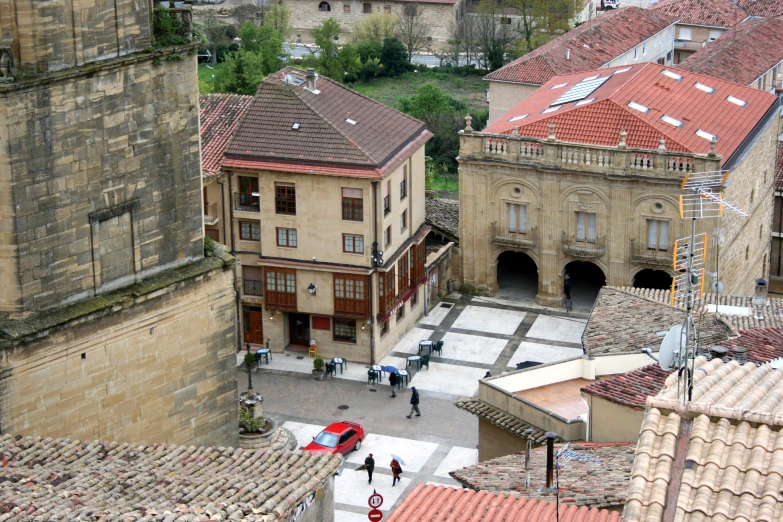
x: 324, y: 6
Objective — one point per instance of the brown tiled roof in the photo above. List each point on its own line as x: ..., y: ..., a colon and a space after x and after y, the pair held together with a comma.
x: 592, y: 45
x: 721, y: 454
x: 439, y: 503
x: 763, y: 344
x: 631, y: 388
x: 443, y: 214
x: 598, y: 480
x: 325, y: 136
x: 501, y: 419
x: 715, y: 13
x: 220, y: 114
x: 728, y: 57
x: 761, y: 7
x: 62, y: 479
x: 624, y: 321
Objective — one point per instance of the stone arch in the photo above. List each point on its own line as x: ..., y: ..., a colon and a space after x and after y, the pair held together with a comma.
x: 652, y: 278
x: 517, y: 275
x: 324, y: 6
x: 586, y: 280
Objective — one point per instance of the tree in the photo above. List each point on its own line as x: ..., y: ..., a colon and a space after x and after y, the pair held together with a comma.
x: 412, y: 30
x: 464, y: 39
x: 376, y: 28
x: 249, y: 13
x: 428, y: 100
x: 541, y: 19
x: 279, y: 18
x: 326, y: 36
x: 350, y: 63
x: 394, y: 57
x: 370, y: 50
x: 494, y: 37
x: 265, y: 42
x: 244, y: 71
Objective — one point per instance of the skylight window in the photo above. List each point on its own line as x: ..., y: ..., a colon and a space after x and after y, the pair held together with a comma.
x: 706, y: 135
x: 581, y: 90
x: 517, y: 118
x: 550, y: 109
x: 558, y: 85
x: 584, y: 102
x: 672, y: 75
x: 672, y: 121
x: 736, y: 101
x: 296, y: 125
x: 618, y: 71
x: 638, y: 107
x: 349, y: 120
x: 590, y: 78
x: 705, y: 88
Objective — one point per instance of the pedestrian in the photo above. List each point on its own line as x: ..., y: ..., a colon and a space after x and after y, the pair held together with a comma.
x: 369, y: 463
x: 567, y: 285
x: 396, y: 470
x: 393, y: 382
x: 488, y: 374
x: 569, y: 305
x: 414, y: 403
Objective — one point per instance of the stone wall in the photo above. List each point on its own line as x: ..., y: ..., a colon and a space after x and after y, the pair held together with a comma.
x: 119, y: 142
x: 504, y: 96
x: 611, y: 422
x: 159, y: 368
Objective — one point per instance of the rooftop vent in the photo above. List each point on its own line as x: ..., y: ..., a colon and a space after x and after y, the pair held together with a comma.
x: 589, y: 78
x: 706, y: 135
x: 672, y: 75
x: 736, y: 101
x: 619, y: 71
x: 638, y: 107
x: 296, y: 125
x: 349, y: 120
x: 558, y: 85
x: 550, y: 109
x: 705, y: 88
x: 740, y: 354
x: 568, y: 54
x: 719, y: 352
x: 672, y: 121
x: 312, y: 81
x: 517, y: 118
x: 581, y: 90
x: 584, y: 102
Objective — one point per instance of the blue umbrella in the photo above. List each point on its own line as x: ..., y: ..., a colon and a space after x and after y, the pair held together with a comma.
x: 389, y: 369
x: 398, y: 459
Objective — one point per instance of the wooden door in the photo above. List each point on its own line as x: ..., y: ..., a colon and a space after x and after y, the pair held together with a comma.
x: 299, y: 329
x: 254, y: 328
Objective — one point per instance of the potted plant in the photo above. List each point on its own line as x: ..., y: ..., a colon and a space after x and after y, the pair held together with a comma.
x: 318, y: 369
x: 299, y: 38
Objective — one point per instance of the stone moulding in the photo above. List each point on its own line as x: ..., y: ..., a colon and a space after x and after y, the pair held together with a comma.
x: 14, y: 331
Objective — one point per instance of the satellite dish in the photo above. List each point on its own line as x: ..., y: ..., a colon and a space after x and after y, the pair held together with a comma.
x: 717, y: 286
x: 670, y: 346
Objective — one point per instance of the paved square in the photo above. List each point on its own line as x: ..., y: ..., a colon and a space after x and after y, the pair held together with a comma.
x: 447, y: 378
x: 437, y: 315
x: 483, y: 319
x: 415, y: 453
x: 457, y: 458
x: 410, y: 341
x: 472, y: 348
x: 347, y: 516
x: 543, y: 353
x: 557, y: 329
x: 352, y: 488
x: 304, y: 433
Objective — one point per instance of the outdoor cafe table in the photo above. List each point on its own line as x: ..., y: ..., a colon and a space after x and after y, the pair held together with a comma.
x: 266, y: 353
x: 414, y: 359
x: 340, y: 361
x: 425, y: 344
x: 378, y: 370
x: 400, y: 375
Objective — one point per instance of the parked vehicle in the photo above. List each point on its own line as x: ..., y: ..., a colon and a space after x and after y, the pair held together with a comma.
x: 610, y: 4
x: 340, y: 437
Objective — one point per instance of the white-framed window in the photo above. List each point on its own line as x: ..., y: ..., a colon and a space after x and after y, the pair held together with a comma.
x: 586, y: 227
x: 658, y: 235
x: 715, y: 34
x: 517, y: 219
x: 685, y: 33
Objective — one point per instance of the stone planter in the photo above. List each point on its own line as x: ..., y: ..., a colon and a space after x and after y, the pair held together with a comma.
x: 318, y: 375
x: 261, y: 440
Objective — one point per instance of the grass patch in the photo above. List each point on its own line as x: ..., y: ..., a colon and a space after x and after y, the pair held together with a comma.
x: 205, y: 76
x: 446, y: 182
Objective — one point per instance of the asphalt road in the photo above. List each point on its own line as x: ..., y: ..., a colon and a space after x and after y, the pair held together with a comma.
x: 299, y: 51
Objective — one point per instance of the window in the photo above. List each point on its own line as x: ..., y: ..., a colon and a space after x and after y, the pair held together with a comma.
x: 347, y: 9
x: 285, y: 198
x: 657, y: 235
x: 387, y: 236
x: 685, y: 33
x: 249, y: 231
x: 286, y: 237
x: 248, y: 194
x: 715, y: 34
x: 585, y: 227
x: 415, y: 298
x: 410, y: 10
x: 507, y: 20
x: 386, y: 290
x: 401, y: 313
x: 384, y: 328
x: 345, y: 330
x: 281, y: 288
x: 353, y: 244
x: 353, y: 204
x: 403, y: 271
x: 404, y: 183
x: 644, y: 47
x: 387, y: 9
x: 321, y: 323
x: 517, y: 219
x: 387, y: 198
x: 367, y: 8
x: 418, y: 256
x: 324, y: 6
x: 403, y: 221
x: 350, y: 295
x: 635, y: 53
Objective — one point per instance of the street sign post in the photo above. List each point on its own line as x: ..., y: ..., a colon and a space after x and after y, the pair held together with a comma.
x: 375, y: 501
x: 375, y: 515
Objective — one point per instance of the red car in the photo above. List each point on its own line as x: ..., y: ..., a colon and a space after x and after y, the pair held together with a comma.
x: 340, y: 437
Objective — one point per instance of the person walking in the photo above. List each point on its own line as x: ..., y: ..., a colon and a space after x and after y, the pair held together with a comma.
x: 396, y: 470
x: 369, y: 463
x: 393, y: 381
x: 414, y: 403
x: 567, y: 285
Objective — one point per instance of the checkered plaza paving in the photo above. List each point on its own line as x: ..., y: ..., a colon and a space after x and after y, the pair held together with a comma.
x: 478, y: 336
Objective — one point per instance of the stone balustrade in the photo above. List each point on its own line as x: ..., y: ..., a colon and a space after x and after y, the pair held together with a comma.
x: 551, y: 153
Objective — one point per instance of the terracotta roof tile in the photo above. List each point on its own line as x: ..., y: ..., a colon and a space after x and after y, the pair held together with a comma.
x: 438, y: 503
x: 62, y: 479
x: 601, y: 480
x: 326, y: 135
x: 501, y: 419
x: 722, y: 452
x: 728, y: 57
x: 220, y: 114
x: 631, y: 388
x: 761, y: 7
x: 600, y: 121
x: 592, y: 45
x: 715, y: 13
x: 443, y: 214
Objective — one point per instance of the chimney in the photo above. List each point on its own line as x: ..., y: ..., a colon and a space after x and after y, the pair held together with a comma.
x: 550, y: 457
x: 528, y: 434
x: 740, y: 354
x: 311, y: 80
x: 719, y: 352
x: 568, y: 54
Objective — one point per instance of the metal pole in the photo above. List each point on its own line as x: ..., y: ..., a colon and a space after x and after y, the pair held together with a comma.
x: 528, y: 434
x: 550, y: 457
x: 688, y: 310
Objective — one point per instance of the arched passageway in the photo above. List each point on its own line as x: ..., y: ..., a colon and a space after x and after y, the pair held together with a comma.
x: 517, y: 276
x: 586, y: 281
x: 649, y: 278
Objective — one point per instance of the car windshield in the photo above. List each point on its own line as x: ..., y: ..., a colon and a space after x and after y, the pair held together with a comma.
x: 327, y: 440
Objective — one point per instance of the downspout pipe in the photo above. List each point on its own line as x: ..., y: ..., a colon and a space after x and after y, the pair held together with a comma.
x: 375, y: 186
x: 234, y: 253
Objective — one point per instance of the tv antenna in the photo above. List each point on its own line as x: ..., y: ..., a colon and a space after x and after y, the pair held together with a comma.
x: 701, y: 198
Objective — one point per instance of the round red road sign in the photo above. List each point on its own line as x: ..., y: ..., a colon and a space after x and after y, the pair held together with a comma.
x: 375, y: 501
x: 375, y: 515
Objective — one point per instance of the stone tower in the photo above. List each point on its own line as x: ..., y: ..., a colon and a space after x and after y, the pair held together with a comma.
x: 113, y: 323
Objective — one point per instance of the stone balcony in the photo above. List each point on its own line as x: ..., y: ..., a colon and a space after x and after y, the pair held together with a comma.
x: 583, y: 248
x: 652, y: 257
x: 211, y: 215
x: 553, y: 154
x: 501, y: 236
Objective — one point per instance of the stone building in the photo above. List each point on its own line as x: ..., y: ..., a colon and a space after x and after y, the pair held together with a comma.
x: 438, y: 15
x: 624, y: 36
x: 584, y: 177
x: 114, y: 323
x: 315, y: 183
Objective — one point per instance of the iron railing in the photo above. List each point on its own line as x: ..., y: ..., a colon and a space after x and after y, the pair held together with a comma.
x: 640, y: 253
x: 583, y: 248
x: 251, y: 287
x: 502, y: 236
x: 246, y: 202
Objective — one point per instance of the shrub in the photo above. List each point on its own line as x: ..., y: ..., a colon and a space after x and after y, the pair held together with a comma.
x: 250, y: 423
x: 318, y: 364
x: 167, y: 29
x: 209, y: 247
x: 394, y: 57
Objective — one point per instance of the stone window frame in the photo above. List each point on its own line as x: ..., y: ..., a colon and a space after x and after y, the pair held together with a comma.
x: 95, y: 219
x: 504, y: 202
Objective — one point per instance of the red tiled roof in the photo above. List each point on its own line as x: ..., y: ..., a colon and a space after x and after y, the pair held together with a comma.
x: 761, y: 7
x: 715, y: 13
x: 448, y: 2
x: 436, y: 503
x: 738, y: 56
x: 630, y: 388
x: 220, y: 115
x: 763, y: 344
x: 600, y: 121
x: 592, y: 45
x: 303, y: 168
